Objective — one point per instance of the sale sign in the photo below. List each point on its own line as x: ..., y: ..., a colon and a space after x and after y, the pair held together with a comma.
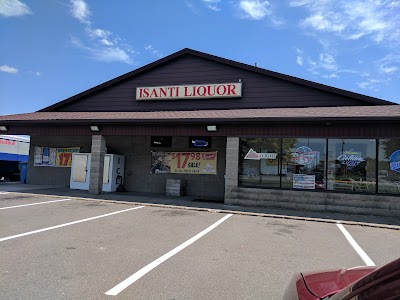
x: 194, y: 162
x: 53, y: 157
x: 64, y: 156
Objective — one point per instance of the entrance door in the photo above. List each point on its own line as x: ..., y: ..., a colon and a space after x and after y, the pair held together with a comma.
x: 80, y: 171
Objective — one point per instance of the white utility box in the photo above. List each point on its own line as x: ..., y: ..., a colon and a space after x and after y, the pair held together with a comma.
x: 113, y: 173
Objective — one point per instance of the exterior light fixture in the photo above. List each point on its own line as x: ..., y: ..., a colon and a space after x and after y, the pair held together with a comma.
x: 94, y: 128
x: 3, y: 128
x: 211, y: 128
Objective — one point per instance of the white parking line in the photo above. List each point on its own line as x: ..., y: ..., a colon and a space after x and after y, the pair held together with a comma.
x: 131, y: 279
x: 37, y: 203
x: 66, y: 224
x: 4, y: 193
x: 356, y: 247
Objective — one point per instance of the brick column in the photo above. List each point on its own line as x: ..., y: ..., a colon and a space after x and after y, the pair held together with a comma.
x: 232, y: 165
x: 97, y: 164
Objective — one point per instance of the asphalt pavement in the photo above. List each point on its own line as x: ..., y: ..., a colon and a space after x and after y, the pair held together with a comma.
x: 193, y: 203
x: 59, y: 247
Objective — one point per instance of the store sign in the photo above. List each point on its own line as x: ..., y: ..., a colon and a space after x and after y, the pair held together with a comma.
x: 200, y: 91
x: 54, y: 157
x: 303, y: 156
x: 350, y: 158
x: 184, y: 162
x: 257, y: 156
x: 395, y: 161
x: 301, y: 181
x: 199, y: 142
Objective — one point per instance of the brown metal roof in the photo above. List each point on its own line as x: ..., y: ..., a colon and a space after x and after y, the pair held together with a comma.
x: 386, y: 112
x: 187, y: 51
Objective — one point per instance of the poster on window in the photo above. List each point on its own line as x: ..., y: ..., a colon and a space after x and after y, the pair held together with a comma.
x: 184, y: 162
x: 160, y: 162
x: 53, y: 157
x: 301, y: 181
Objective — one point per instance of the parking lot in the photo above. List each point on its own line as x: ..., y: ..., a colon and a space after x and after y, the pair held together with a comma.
x: 61, y: 248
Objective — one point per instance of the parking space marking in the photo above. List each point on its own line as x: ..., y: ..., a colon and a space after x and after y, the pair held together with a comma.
x: 37, y: 203
x: 143, y: 271
x: 65, y: 224
x: 4, y: 193
x: 368, y: 261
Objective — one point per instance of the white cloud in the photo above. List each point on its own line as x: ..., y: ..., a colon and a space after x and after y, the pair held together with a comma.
x: 105, y: 54
x: 212, y: 4
x: 154, y: 51
x: 371, y: 84
x: 8, y: 69
x: 389, y: 64
x: 299, y: 58
x: 254, y: 9
x: 353, y: 19
x: 13, y: 8
x: 102, y: 45
x: 80, y: 11
x: 327, y: 61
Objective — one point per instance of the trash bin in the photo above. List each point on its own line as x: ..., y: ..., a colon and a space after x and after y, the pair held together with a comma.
x: 23, y: 168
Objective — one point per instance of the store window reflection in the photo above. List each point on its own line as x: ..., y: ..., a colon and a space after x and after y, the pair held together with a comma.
x: 389, y: 167
x: 259, y: 162
x: 303, y: 163
x: 352, y: 165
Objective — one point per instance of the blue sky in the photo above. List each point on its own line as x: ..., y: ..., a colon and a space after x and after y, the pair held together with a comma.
x: 52, y: 50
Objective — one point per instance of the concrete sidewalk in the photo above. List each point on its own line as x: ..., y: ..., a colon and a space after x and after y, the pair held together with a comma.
x: 191, y: 203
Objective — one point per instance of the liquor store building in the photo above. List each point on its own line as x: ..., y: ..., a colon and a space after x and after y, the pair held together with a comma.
x: 217, y: 129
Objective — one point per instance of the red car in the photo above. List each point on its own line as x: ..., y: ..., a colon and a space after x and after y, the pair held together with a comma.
x: 361, y: 283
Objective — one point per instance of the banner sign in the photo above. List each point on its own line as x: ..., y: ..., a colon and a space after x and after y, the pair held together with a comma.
x: 257, y: 156
x: 54, y: 157
x: 172, y: 92
x: 301, y: 181
x: 184, y: 162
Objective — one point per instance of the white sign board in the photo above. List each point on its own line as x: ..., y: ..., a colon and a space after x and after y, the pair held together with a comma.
x: 198, y: 91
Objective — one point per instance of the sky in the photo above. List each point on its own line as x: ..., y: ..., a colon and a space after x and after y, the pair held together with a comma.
x: 52, y: 50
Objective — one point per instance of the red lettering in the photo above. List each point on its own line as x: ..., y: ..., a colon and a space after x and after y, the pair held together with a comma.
x: 154, y: 94
x: 201, y: 92
x: 163, y: 92
x: 219, y: 91
x: 140, y: 93
x: 209, y: 90
x: 146, y: 93
x: 231, y: 89
x: 177, y: 91
x: 186, y: 92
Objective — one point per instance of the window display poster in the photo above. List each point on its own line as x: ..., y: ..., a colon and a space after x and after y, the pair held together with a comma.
x: 302, y: 181
x: 184, y: 162
x: 54, y: 157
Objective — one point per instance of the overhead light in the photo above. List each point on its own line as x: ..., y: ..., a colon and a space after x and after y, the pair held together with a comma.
x: 211, y: 128
x: 3, y: 128
x: 94, y: 128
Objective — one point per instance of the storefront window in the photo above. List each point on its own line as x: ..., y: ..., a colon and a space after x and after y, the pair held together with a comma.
x: 389, y: 167
x: 352, y: 165
x: 259, y: 162
x: 303, y: 163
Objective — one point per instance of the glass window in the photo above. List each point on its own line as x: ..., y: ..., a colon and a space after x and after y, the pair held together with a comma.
x: 303, y: 163
x: 352, y: 165
x: 259, y: 162
x: 389, y: 167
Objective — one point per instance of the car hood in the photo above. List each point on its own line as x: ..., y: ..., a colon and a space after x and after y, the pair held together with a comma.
x: 326, y: 283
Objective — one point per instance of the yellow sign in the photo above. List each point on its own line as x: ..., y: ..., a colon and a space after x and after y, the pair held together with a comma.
x: 194, y: 162
x: 64, y: 156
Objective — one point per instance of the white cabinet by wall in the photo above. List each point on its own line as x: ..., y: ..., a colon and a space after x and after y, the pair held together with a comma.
x: 114, y: 167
